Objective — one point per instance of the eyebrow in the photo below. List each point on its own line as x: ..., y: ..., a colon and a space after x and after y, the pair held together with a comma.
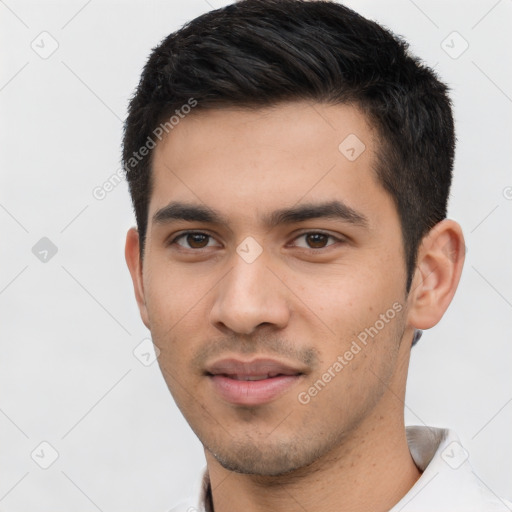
x: 295, y: 214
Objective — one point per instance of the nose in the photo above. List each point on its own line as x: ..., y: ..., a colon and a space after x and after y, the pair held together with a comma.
x: 250, y: 296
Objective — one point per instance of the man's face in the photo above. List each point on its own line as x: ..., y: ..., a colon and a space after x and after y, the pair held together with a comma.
x: 279, y: 323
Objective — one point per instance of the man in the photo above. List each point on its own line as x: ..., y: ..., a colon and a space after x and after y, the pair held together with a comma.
x: 289, y: 164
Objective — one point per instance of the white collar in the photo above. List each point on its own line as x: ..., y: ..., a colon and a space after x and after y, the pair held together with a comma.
x: 448, y: 482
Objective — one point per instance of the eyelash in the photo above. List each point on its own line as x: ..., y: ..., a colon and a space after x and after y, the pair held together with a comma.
x: 329, y: 236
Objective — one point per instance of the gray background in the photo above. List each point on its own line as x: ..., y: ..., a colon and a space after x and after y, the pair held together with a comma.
x: 69, y: 326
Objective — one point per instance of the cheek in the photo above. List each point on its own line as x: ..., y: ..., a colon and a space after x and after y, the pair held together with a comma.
x: 178, y: 341
x: 174, y: 306
x: 361, y: 305
x: 172, y: 294
x: 349, y: 294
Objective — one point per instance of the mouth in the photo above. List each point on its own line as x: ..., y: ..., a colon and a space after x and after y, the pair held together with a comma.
x: 252, y: 383
x: 253, y: 377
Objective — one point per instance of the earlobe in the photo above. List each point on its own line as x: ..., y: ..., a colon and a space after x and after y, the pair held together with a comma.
x: 438, y: 270
x: 134, y: 263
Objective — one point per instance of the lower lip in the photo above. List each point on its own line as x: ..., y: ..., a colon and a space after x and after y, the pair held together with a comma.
x: 252, y: 392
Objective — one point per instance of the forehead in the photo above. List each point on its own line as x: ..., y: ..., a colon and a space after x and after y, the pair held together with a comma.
x: 246, y: 161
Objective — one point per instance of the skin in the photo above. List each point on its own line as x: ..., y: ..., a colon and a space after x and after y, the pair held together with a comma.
x: 303, y: 301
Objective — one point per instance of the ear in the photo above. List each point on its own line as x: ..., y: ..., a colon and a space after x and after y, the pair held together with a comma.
x: 132, y: 256
x: 438, y: 270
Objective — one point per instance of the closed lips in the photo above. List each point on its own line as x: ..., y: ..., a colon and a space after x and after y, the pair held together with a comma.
x: 258, y: 369
x: 251, y: 383
x: 252, y: 377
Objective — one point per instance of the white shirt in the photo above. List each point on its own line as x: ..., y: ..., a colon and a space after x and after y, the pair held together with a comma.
x: 447, y: 484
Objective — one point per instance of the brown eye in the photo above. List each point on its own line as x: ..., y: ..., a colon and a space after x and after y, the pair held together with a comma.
x: 197, y: 240
x: 317, y: 240
x: 194, y: 240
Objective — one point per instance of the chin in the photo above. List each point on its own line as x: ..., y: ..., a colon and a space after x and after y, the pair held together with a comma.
x: 271, y: 461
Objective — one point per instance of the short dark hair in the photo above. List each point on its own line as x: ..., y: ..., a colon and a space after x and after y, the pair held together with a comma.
x: 259, y: 53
